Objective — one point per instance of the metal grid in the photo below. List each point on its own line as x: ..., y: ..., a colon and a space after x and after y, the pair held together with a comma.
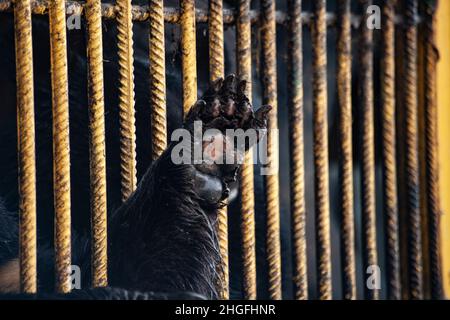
x: 243, y: 17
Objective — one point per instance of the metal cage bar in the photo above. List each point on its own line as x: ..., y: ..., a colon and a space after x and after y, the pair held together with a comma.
x: 126, y: 99
x: 26, y: 146
x: 415, y: 258
x: 244, y: 67
x: 61, y: 145
x: 321, y: 175
x: 157, y: 78
x: 390, y: 196
x: 141, y: 13
x: 216, y: 49
x: 297, y: 183
x: 216, y: 16
x: 368, y: 150
x: 216, y: 71
x: 188, y: 51
x: 97, y: 144
x: 431, y: 152
x: 222, y: 234
x: 344, y: 82
x: 268, y: 34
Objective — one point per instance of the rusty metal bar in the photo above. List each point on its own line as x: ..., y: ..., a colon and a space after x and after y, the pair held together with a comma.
x: 222, y: 234
x: 431, y: 153
x: 297, y: 182
x: 216, y: 49
x: 216, y: 71
x: 321, y: 175
x: 422, y: 160
x: 26, y: 146
x: 268, y: 34
x: 142, y: 12
x: 244, y: 67
x: 172, y: 15
x: 368, y: 150
x: 390, y: 196
x: 344, y: 82
x: 126, y: 99
x: 97, y: 144
x: 61, y: 146
x: 157, y: 78
x: 400, y: 150
x: 412, y: 160
x: 188, y: 51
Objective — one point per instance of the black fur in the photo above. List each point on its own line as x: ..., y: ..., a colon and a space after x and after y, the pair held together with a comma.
x: 163, y: 238
x: 8, y: 234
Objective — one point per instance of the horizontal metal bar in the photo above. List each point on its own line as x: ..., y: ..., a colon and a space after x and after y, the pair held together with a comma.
x: 172, y: 15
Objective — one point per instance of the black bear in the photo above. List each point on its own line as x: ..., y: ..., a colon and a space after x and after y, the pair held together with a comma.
x: 162, y: 240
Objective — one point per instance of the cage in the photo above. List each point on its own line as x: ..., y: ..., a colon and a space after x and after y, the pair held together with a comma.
x: 354, y: 210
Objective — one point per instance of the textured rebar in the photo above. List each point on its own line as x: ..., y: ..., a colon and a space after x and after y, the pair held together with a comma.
x: 400, y: 157
x: 321, y: 174
x: 344, y: 82
x: 126, y: 99
x: 172, y: 15
x: 244, y: 67
x: 415, y: 261
x: 26, y: 146
x: 188, y: 52
x: 422, y: 160
x: 215, y: 31
x: 368, y: 149
x: 61, y: 146
x: 390, y: 197
x: 248, y: 226
x: 222, y: 235
x: 216, y: 71
x: 297, y: 183
x: 268, y: 35
x: 97, y: 144
x: 157, y: 78
x: 431, y: 151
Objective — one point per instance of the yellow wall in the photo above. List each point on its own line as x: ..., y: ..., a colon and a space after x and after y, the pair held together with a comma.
x: 443, y: 89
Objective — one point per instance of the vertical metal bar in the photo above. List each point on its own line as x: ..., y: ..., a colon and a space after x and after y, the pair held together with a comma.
x: 431, y: 151
x: 97, y: 143
x: 400, y: 150
x: 422, y: 158
x: 389, y: 152
x: 157, y: 78
x: 321, y: 175
x: 368, y: 148
x: 26, y: 145
x: 61, y: 146
x: 244, y: 67
x: 412, y: 160
x: 215, y: 31
x: 216, y: 71
x: 188, y: 51
x: 126, y: 98
x: 344, y: 81
x: 297, y: 183
x: 222, y: 234
x: 268, y: 34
